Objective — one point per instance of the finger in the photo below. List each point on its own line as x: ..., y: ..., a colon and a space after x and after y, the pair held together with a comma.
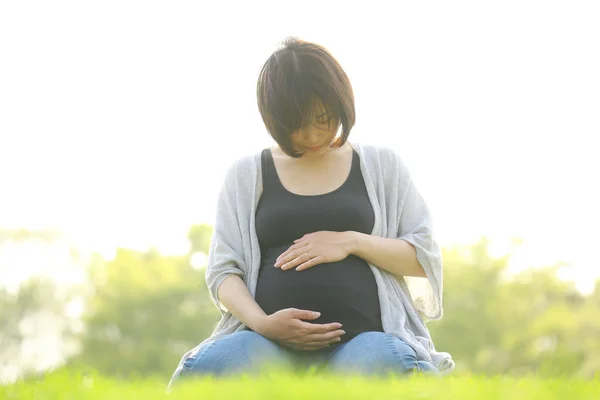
x: 304, y: 314
x: 313, y: 346
x: 283, y: 256
x: 285, y: 253
x: 290, y: 345
x: 286, y: 256
x: 311, y: 263
x: 290, y: 254
x: 320, y: 328
x: 323, y: 337
x: 300, y: 259
x: 291, y: 249
x: 322, y: 343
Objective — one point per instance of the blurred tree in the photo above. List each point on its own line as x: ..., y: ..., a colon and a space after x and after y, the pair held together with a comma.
x: 531, y: 322
x: 37, y: 329
x: 145, y: 311
x: 199, y: 237
x: 26, y: 317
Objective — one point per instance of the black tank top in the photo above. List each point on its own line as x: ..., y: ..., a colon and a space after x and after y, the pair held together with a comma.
x: 344, y: 291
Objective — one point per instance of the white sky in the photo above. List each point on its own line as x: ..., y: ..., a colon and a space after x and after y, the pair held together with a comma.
x: 118, y: 118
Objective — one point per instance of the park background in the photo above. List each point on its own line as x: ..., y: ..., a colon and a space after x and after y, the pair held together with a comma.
x: 119, y: 118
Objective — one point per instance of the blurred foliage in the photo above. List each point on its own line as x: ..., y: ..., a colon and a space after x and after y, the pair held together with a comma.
x: 24, y: 314
x: 528, y: 323
x: 144, y: 310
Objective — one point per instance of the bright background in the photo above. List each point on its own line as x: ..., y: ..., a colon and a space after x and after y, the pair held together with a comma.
x: 118, y: 118
x: 114, y: 111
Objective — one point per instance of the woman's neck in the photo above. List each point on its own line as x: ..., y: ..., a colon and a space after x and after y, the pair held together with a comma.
x: 318, y: 161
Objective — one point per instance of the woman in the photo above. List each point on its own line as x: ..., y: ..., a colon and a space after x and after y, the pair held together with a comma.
x: 322, y: 253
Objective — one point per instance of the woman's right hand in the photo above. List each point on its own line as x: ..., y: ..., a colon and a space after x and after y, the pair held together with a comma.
x: 288, y: 327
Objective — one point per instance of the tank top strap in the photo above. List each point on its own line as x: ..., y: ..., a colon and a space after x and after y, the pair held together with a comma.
x: 355, y: 176
x: 269, y: 174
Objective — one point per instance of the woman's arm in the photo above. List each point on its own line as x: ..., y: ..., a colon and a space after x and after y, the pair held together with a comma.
x: 234, y: 295
x: 396, y: 256
x: 287, y: 326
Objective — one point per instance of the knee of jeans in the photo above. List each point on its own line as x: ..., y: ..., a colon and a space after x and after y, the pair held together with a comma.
x: 406, y: 355
x: 428, y: 368
x: 250, y: 341
x: 403, y: 349
x: 192, y: 360
x: 237, y: 350
x: 371, y: 337
x: 260, y: 351
x: 249, y: 336
x: 385, y: 340
x: 394, y: 346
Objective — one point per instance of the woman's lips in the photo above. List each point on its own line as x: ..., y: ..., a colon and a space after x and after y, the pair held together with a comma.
x: 315, y: 148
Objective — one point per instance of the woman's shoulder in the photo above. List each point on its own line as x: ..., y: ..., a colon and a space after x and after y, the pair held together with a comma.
x: 243, y: 165
x: 385, y: 162
x: 241, y: 173
x: 379, y: 156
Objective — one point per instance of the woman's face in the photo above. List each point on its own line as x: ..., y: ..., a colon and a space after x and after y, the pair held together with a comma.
x: 314, y: 139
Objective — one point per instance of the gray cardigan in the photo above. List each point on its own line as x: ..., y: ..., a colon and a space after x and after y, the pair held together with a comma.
x: 400, y: 212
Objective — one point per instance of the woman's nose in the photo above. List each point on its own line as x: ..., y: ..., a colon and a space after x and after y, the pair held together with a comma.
x: 311, y: 136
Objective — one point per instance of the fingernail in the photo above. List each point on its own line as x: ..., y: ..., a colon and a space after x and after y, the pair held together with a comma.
x: 316, y: 314
x: 343, y: 332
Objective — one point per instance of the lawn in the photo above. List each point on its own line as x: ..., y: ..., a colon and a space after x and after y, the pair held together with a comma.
x: 64, y: 385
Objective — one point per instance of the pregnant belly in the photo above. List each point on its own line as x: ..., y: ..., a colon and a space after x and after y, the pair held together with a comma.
x: 344, y: 292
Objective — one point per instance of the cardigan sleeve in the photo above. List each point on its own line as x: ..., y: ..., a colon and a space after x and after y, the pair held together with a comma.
x: 225, y: 256
x: 415, y: 226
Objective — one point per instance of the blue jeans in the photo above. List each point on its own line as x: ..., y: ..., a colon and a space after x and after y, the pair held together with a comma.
x: 247, y: 352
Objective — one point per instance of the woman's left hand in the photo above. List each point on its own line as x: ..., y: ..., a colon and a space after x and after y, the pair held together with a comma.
x: 314, y: 249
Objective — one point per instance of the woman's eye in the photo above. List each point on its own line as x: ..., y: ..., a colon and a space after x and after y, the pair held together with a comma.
x: 323, y: 120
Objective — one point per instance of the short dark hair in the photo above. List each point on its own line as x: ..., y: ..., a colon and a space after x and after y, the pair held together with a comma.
x: 291, y: 80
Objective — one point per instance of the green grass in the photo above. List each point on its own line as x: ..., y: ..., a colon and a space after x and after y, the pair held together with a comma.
x: 64, y: 385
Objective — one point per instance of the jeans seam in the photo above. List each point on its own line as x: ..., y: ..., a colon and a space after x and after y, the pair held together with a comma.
x: 397, y: 354
x: 198, y: 357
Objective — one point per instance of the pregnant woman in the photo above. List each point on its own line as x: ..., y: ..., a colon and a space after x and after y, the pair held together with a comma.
x: 322, y: 253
